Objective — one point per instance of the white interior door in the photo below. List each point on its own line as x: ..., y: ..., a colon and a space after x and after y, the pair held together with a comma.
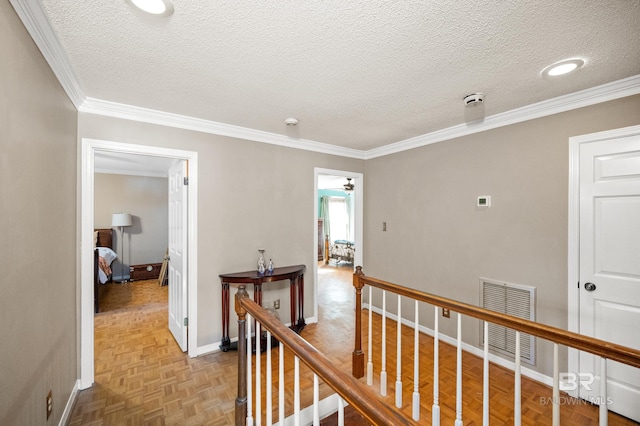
x: 610, y: 265
x: 177, y: 270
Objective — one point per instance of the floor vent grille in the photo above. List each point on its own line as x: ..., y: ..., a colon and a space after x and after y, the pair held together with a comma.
x: 511, y: 299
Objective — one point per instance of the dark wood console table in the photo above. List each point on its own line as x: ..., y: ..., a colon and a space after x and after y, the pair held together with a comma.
x: 295, y: 275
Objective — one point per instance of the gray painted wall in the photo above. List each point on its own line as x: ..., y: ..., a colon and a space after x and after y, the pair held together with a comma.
x: 251, y: 195
x: 255, y: 195
x: 146, y: 199
x: 38, y: 305
x: 439, y: 242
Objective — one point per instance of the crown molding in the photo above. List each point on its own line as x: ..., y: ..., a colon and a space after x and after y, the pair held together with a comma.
x: 37, y: 24
x: 134, y: 113
x: 594, y: 95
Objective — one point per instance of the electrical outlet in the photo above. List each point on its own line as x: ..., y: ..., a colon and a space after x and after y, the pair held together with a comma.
x: 446, y: 313
x: 49, y: 404
x: 276, y: 304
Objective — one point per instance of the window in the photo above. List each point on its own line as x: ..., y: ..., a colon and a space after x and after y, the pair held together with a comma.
x: 339, y: 219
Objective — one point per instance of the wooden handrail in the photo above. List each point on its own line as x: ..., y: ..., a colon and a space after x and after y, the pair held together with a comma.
x: 592, y: 345
x: 361, y: 398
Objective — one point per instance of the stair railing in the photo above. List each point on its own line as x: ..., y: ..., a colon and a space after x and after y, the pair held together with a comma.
x: 349, y: 389
x: 605, y: 350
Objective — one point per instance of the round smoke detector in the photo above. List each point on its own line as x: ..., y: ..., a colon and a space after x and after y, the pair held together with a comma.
x: 473, y: 99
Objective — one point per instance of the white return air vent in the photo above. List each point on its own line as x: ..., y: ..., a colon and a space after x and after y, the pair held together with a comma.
x: 511, y: 299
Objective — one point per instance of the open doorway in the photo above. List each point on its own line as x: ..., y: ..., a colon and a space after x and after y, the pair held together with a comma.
x: 89, y: 149
x: 338, y: 225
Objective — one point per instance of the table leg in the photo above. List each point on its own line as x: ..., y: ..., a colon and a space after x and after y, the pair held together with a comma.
x: 257, y: 294
x: 292, y: 299
x: 225, y: 342
x: 301, y: 322
x: 297, y: 303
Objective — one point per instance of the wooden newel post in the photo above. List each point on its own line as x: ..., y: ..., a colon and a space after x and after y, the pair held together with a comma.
x: 357, y: 359
x: 241, y: 400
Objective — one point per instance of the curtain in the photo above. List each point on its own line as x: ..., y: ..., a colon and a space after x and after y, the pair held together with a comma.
x: 347, y: 201
x: 339, y: 218
x: 324, y: 214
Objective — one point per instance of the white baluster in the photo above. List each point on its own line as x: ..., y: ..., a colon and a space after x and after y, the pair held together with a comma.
x: 249, y: 384
x: 485, y: 377
x: 556, y: 387
x: 435, y: 408
x: 258, y: 415
x: 459, y: 374
x: 296, y: 391
x: 517, y: 400
x: 370, y: 352
x: 399, y: 357
x: 269, y: 383
x: 340, y: 411
x: 316, y: 401
x: 604, y: 415
x: 415, y: 412
x: 383, y: 372
x: 281, y: 384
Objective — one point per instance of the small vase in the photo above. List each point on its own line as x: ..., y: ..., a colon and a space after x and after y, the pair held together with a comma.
x: 270, y: 267
x: 261, y: 263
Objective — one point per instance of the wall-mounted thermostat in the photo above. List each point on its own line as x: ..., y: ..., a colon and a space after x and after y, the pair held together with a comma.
x: 484, y: 201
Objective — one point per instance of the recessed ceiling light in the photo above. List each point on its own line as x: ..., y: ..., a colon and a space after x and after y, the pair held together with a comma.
x: 563, y: 67
x: 154, y: 7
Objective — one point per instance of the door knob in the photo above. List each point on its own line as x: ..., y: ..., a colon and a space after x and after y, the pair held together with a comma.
x: 589, y: 286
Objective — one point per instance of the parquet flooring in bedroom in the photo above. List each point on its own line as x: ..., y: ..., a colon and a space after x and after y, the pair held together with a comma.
x: 142, y: 377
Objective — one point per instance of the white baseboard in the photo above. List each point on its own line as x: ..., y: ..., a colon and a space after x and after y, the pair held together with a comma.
x: 68, y: 408
x: 532, y: 374
x: 215, y: 346
x: 326, y: 407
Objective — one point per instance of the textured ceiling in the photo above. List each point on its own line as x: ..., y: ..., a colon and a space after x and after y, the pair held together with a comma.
x: 358, y: 74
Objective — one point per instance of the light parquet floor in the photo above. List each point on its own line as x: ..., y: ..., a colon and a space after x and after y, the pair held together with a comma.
x: 142, y: 377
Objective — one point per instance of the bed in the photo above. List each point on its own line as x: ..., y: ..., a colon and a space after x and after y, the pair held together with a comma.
x: 103, y: 257
x: 342, y: 251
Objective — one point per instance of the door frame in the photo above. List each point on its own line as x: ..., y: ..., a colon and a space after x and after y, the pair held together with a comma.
x: 86, y: 225
x: 573, y: 276
x: 358, y: 205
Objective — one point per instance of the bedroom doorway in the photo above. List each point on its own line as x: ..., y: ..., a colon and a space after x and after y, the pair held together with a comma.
x: 89, y: 149
x: 338, y: 224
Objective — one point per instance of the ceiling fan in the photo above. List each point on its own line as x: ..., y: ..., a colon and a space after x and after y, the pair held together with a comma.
x: 348, y: 186
x: 335, y: 183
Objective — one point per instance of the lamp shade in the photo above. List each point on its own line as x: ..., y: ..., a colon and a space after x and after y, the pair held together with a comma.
x: 121, y: 219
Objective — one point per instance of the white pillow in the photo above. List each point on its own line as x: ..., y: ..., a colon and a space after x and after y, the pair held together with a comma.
x: 108, y: 254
